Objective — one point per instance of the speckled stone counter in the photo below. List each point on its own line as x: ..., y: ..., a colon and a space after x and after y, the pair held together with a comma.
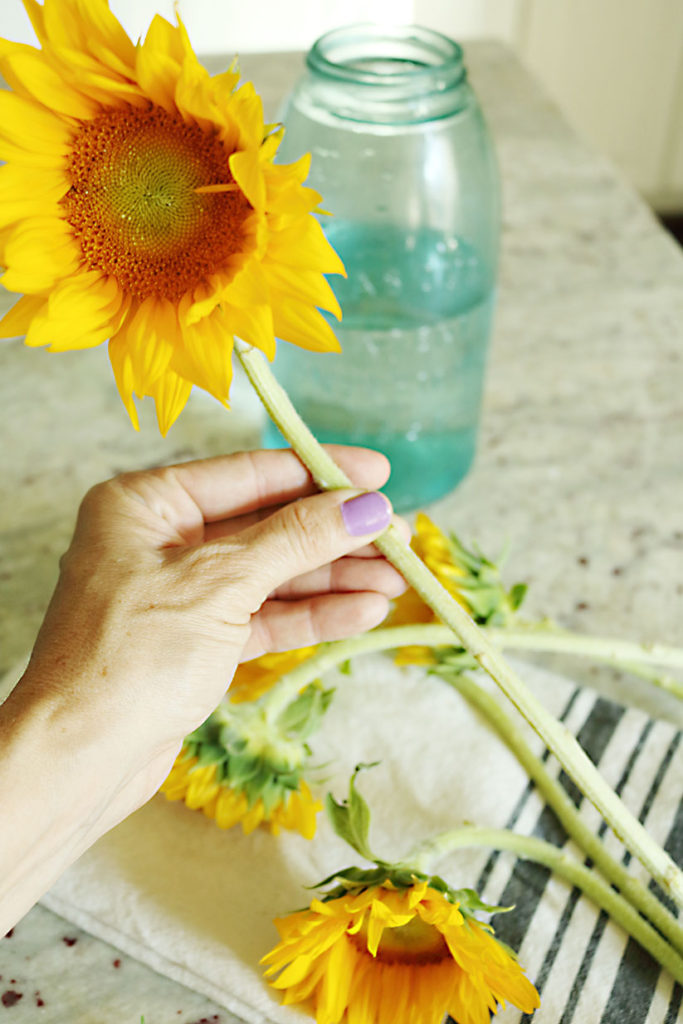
x: 579, y: 467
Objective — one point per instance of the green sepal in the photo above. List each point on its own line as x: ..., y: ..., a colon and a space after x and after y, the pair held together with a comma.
x: 351, y: 819
x: 470, y: 901
x: 481, y: 585
x: 210, y: 753
x: 302, y: 717
x: 402, y: 876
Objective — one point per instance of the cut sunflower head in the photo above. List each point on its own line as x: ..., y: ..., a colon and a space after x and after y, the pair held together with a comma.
x: 469, y: 577
x: 240, y: 767
x: 408, y: 954
x: 393, y: 944
x: 139, y: 204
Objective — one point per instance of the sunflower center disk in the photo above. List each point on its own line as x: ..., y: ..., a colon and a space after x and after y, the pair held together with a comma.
x: 413, y: 943
x: 133, y: 206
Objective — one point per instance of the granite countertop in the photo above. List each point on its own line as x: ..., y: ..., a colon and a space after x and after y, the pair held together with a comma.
x: 579, y: 465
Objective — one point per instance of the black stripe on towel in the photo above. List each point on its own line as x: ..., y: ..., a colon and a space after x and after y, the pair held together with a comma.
x: 528, y: 881
x: 636, y: 980
x: 572, y: 901
x: 521, y: 803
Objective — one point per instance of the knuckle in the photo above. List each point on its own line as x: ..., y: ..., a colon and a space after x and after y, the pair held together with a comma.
x: 307, y: 531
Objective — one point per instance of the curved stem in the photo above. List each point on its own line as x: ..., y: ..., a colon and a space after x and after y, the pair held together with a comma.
x: 531, y: 638
x: 530, y: 848
x: 565, y: 747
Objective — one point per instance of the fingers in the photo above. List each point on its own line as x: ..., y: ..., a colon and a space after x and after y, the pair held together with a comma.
x: 232, y: 485
x: 285, y: 625
x: 346, y: 575
x: 302, y: 537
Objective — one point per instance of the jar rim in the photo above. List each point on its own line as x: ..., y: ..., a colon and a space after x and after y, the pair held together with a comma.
x: 411, y: 54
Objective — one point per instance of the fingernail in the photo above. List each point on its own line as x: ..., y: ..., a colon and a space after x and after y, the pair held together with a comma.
x: 366, y: 513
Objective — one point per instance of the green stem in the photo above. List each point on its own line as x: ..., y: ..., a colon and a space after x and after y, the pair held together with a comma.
x: 555, y: 736
x: 622, y: 654
x: 530, y: 848
x: 532, y: 638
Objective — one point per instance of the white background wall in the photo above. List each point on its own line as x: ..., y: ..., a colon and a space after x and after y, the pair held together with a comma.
x: 614, y: 66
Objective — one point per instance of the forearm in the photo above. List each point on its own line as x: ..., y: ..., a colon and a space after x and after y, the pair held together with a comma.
x: 62, y: 785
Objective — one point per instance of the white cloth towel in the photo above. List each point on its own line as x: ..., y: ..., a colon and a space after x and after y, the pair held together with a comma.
x: 196, y: 903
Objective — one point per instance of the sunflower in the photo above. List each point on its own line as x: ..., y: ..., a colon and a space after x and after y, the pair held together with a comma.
x: 201, y: 787
x: 406, y: 955
x: 470, y: 578
x: 139, y: 204
x: 247, y: 764
x: 254, y: 678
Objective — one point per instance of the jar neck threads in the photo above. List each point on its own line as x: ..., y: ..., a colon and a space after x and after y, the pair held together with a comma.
x: 389, y: 74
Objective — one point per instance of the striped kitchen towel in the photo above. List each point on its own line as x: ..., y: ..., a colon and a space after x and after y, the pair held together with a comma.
x: 196, y: 903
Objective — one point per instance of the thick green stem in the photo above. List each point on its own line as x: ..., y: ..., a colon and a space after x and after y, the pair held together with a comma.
x: 530, y: 848
x: 555, y: 736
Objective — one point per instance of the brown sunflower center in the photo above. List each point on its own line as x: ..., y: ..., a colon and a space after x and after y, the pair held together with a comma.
x: 133, y: 205
x: 414, y: 943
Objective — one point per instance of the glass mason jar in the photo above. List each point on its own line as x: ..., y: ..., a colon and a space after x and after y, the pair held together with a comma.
x: 404, y: 162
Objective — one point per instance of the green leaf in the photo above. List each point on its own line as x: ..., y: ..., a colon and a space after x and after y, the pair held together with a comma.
x: 517, y: 595
x: 339, y: 818
x: 304, y: 713
x: 351, y: 820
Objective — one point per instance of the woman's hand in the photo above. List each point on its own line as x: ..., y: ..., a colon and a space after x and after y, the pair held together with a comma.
x: 173, y: 577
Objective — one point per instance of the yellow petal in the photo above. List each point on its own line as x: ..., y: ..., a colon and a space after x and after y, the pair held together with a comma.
x: 253, y: 817
x: 39, y: 252
x: 27, y: 191
x: 122, y: 365
x: 82, y: 312
x: 205, y: 356
x: 35, y: 13
x: 30, y: 74
x: 105, y: 34
x: 256, y: 327
x: 306, y: 285
x: 245, y: 110
x: 90, y: 27
x: 170, y: 393
x: 247, y: 172
x: 297, y: 322
x: 158, y: 62
x: 193, y: 96
x: 31, y: 127
x: 151, y: 334
x: 304, y: 245
x: 17, y: 321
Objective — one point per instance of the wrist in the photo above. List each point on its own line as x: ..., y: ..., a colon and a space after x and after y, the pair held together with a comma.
x: 66, y: 777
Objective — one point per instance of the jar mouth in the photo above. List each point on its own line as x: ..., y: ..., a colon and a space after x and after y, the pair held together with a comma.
x: 390, y: 55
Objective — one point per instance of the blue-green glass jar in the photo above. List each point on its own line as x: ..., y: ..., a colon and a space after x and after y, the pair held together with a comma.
x: 404, y: 162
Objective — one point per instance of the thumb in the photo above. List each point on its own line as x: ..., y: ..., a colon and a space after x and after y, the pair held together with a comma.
x: 309, y: 533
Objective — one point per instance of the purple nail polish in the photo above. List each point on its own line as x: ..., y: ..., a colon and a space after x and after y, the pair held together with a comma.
x: 366, y: 513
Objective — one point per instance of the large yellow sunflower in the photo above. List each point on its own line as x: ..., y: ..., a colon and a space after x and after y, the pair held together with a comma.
x: 407, y: 955
x: 139, y: 203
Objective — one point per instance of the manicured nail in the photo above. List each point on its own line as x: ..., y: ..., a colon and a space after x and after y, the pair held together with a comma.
x: 366, y: 513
